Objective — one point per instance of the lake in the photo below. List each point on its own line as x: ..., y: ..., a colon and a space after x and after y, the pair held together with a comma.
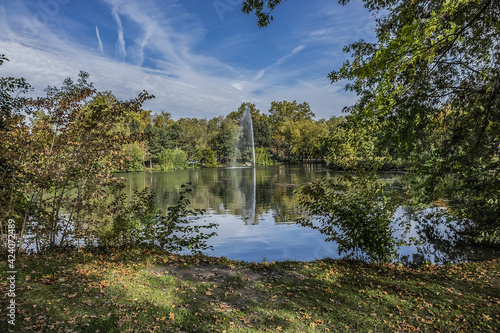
x: 255, y: 210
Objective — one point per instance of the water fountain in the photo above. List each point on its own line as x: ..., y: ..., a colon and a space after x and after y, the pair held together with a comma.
x: 244, y: 146
x: 245, y: 141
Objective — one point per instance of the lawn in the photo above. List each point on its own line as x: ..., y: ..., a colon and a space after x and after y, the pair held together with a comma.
x: 141, y: 290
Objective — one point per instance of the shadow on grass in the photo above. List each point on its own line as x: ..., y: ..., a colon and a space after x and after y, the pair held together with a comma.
x: 141, y: 290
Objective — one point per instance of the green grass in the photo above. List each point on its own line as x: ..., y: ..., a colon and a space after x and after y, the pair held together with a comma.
x: 150, y: 290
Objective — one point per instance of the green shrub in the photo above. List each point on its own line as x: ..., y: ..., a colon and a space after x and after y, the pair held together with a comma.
x: 206, y: 158
x: 263, y: 157
x: 141, y: 222
x: 357, y: 213
x: 172, y: 159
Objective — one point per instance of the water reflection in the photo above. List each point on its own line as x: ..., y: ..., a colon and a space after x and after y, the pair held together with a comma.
x: 441, y: 240
x: 245, y: 192
x: 256, y: 209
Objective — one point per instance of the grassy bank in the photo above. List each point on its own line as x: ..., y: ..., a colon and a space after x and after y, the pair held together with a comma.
x: 143, y: 290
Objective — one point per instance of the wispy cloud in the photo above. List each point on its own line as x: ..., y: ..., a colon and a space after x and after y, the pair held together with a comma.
x: 101, y: 49
x: 294, y: 51
x: 157, y: 49
x: 120, y: 43
x: 261, y: 73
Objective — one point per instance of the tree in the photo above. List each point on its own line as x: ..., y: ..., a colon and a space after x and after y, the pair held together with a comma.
x: 262, y: 132
x: 258, y: 6
x: 206, y: 158
x: 193, y: 135
x: 284, y: 110
x: 283, y: 119
x: 263, y: 135
x: 134, y: 153
x: 358, y: 213
x: 163, y: 120
x: 433, y: 58
x: 12, y: 128
x: 223, y: 143
x: 67, y: 154
x: 159, y: 139
x: 172, y: 159
x: 307, y: 138
x: 352, y: 145
x: 435, y: 64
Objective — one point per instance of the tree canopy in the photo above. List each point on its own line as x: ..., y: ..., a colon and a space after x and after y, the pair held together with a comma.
x: 431, y: 84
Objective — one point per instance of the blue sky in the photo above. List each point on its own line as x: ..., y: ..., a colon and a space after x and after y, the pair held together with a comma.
x: 200, y: 58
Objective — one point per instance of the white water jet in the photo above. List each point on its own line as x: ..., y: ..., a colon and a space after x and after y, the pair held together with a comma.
x: 245, y: 139
x: 243, y: 146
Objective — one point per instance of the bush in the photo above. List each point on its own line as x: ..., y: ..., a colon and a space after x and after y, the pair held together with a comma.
x: 357, y: 213
x: 172, y: 159
x: 141, y: 222
x: 263, y: 157
x: 206, y: 158
x: 135, y: 156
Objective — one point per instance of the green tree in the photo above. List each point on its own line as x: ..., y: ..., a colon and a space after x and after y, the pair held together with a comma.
x: 354, y: 146
x: 260, y: 122
x: 435, y: 64
x: 284, y: 119
x: 263, y: 135
x: 66, y: 155
x: 206, y: 158
x: 134, y: 153
x: 281, y: 111
x: 141, y: 222
x: 263, y: 156
x: 357, y: 213
x: 223, y: 142
x: 307, y: 139
x: 159, y: 139
x: 12, y: 148
x: 433, y: 58
x: 193, y: 135
x: 172, y: 159
x: 174, y: 133
x: 163, y: 120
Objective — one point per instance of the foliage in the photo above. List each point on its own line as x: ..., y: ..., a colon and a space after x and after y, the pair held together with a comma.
x: 206, y: 158
x: 175, y: 232
x: 163, y: 120
x: 12, y: 127
x: 223, y: 142
x: 175, y: 159
x: 356, y: 145
x: 431, y: 81
x: 292, y: 111
x: 135, y: 155
x: 63, y: 162
x: 295, y: 134
x: 263, y: 157
x: 357, y: 213
x: 433, y: 78
x: 142, y: 222
x: 193, y: 135
x: 262, y: 10
x: 149, y: 289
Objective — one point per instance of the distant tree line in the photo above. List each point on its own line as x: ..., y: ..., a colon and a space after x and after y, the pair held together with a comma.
x: 288, y: 132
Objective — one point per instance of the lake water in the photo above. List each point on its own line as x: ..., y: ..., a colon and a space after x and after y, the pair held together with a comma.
x: 255, y: 210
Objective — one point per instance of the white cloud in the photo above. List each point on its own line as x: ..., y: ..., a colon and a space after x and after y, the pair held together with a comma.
x: 185, y: 82
x: 294, y: 51
x: 120, y: 43
x: 101, y: 49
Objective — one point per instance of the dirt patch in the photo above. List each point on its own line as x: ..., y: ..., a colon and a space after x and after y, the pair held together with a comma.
x: 209, y: 273
x: 236, y: 287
